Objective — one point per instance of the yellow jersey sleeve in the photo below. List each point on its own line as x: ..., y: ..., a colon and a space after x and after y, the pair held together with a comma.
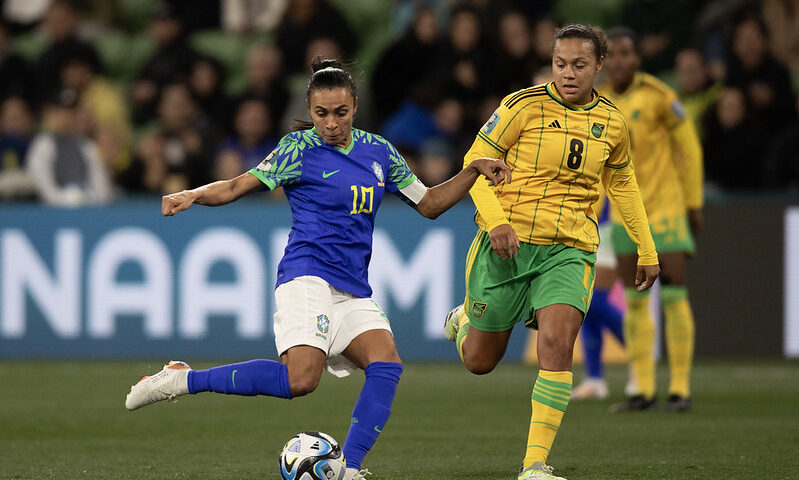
x: 499, y: 133
x: 689, y: 162
x: 618, y: 179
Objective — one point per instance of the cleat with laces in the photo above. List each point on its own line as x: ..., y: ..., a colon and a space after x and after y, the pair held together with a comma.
x: 451, y: 323
x: 539, y: 471
x: 636, y: 403
x: 591, y: 388
x: 168, y: 384
x: 355, y: 474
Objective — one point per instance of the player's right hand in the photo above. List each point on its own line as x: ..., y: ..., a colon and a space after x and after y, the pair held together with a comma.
x: 176, y: 202
x: 645, y: 276
x: 504, y: 241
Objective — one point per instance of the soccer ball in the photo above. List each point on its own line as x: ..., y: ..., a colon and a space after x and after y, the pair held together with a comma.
x: 312, y: 456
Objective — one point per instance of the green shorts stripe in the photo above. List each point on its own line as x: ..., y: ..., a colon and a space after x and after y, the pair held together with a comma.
x: 671, y: 234
x: 500, y: 293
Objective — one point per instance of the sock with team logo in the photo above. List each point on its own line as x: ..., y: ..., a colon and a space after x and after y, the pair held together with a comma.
x: 372, y: 410
x: 255, y: 377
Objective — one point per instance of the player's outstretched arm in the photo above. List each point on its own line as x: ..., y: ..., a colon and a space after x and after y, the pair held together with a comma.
x: 212, y: 194
x: 440, y: 198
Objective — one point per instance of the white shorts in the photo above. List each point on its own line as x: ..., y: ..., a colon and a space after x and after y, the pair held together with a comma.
x: 605, y: 256
x: 312, y: 312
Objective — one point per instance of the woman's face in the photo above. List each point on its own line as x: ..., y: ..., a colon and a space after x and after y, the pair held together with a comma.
x: 574, y: 67
x: 332, y: 112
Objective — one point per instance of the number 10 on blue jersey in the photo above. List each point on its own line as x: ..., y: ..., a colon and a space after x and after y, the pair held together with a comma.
x: 365, y: 192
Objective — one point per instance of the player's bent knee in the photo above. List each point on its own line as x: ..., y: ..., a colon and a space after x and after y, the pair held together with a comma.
x: 478, y: 366
x: 303, y: 385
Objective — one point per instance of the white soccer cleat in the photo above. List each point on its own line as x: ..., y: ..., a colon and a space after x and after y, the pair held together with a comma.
x: 451, y: 323
x: 354, y: 474
x: 538, y: 471
x: 168, y: 384
x: 591, y: 388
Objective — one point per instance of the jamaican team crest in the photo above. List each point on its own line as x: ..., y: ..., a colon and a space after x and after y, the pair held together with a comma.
x: 323, y: 323
x: 597, y: 130
x: 478, y: 309
x: 378, y: 170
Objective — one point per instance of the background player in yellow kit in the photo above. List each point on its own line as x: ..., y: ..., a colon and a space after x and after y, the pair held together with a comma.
x: 534, y: 253
x: 668, y: 166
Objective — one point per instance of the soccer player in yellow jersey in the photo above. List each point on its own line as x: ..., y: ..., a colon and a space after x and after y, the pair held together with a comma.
x: 668, y: 166
x: 534, y: 253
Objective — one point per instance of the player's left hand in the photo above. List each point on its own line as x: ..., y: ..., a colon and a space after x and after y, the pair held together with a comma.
x: 493, y: 169
x: 697, y: 220
x: 645, y: 276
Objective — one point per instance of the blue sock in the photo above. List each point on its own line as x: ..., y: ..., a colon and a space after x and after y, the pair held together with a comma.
x: 600, y: 314
x: 591, y: 333
x: 256, y: 377
x: 371, y: 410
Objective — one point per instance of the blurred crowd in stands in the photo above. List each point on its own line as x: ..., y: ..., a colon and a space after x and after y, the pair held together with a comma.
x: 102, y: 99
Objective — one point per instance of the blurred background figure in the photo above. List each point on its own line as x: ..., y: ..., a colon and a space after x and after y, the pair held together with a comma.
x: 250, y: 143
x: 206, y: 82
x: 16, y: 132
x: 265, y: 80
x: 64, y: 164
x: 517, y: 59
x: 696, y: 89
x: 733, y: 143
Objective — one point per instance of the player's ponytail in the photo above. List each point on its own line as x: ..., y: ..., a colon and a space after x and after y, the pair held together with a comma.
x: 328, y: 73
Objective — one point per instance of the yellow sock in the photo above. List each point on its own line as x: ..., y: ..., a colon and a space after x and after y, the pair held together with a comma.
x: 550, y: 398
x: 679, y: 338
x: 463, y: 330
x: 639, y: 337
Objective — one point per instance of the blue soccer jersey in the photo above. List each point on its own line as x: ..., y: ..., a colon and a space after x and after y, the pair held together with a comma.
x: 334, y: 195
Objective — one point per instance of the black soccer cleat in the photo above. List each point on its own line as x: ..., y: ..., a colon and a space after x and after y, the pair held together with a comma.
x: 678, y: 403
x: 636, y: 403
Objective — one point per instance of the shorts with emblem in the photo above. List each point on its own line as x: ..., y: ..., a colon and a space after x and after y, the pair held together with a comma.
x: 312, y: 312
x: 501, y: 293
x: 671, y: 234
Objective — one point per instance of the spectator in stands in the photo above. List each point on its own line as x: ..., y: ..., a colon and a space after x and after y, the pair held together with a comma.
x: 171, y: 61
x: 406, y: 63
x: 16, y: 76
x: 734, y: 143
x: 662, y: 28
x: 251, y: 143
x: 544, y: 30
x: 437, y: 161
x: 16, y: 131
x: 305, y: 20
x: 764, y: 81
x: 464, y: 61
x: 696, y: 89
x: 244, y: 16
x: 207, y: 81
x: 517, y: 59
x: 149, y: 171
x: 65, y: 165
x: 60, y: 25
x: 782, y: 162
x: 102, y: 106
x: 187, y: 136
x: 265, y: 80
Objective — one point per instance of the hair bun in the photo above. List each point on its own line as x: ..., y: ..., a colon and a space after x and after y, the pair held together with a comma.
x: 320, y: 63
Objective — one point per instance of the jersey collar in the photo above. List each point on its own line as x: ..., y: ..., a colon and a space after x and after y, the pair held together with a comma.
x: 553, y: 92
x: 345, y: 151
x: 637, y: 79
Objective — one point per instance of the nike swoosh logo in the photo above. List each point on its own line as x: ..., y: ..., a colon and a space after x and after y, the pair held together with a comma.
x: 234, y: 378
x: 327, y: 174
x: 378, y: 429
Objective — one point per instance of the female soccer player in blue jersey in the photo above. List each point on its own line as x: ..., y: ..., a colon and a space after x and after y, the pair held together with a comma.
x: 334, y: 177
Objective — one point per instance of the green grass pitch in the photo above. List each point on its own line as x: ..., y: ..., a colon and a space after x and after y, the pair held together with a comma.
x: 67, y: 420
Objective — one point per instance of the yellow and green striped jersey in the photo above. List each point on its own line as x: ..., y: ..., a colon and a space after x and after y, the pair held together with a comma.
x: 557, y: 153
x: 670, y: 179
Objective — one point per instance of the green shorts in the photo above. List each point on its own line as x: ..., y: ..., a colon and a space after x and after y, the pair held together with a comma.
x: 670, y: 235
x: 501, y: 293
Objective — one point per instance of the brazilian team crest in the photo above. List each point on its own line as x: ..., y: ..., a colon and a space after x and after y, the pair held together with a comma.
x: 478, y: 309
x: 323, y: 323
x: 378, y: 169
x: 597, y: 129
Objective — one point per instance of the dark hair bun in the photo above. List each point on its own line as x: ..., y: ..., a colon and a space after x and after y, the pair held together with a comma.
x: 320, y: 63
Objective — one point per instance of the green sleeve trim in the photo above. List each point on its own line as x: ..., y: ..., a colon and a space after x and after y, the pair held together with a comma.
x: 618, y: 167
x: 270, y: 183
x: 491, y: 142
x: 408, y: 180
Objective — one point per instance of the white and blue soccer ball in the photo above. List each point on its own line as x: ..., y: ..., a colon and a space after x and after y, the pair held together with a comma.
x: 312, y: 456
